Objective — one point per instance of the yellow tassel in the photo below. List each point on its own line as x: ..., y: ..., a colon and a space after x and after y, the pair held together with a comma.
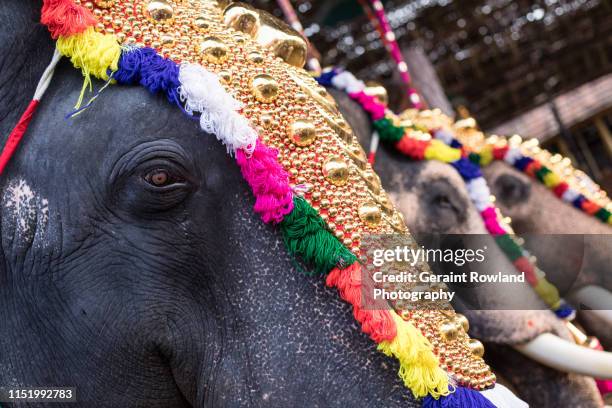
x: 486, y: 155
x: 551, y: 180
x: 419, y: 367
x: 548, y: 293
x: 437, y: 150
x: 94, y: 53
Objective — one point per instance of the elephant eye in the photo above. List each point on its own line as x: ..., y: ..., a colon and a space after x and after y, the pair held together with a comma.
x: 161, y: 178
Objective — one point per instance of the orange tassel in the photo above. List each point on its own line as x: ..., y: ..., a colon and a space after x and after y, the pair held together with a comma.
x: 64, y: 18
x: 378, y: 324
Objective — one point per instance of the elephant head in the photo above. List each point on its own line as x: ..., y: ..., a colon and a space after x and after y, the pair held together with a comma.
x: 552, y: 227
x: 433, y: 198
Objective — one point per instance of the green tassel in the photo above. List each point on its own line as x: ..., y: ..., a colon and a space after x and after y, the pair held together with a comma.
x: 388, y: 132
x: 543, y: 171
x: 510, y: 248
x: 474, y: 158
x: 306, y: 236
x: 603, y: 214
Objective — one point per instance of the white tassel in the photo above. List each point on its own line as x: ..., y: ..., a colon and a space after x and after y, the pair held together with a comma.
x: 569, y: 195
x: 502, y: 397
x: 347, y: 82
x: 202, y: 92
x: 512, y: 155
x: 479, y: 193
x: 444, y: 136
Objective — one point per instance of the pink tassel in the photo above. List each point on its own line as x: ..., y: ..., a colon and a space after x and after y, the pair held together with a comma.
x: 269, y: 182
x: 369, y: 104
x: 489, y: 215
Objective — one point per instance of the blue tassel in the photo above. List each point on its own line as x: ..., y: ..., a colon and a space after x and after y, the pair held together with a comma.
x: 325, y: 78
x: 565, y: 311
x: 522, y: 163
x: 460, y: 398
x: 154, y: 72
x: 130, y: 65
x: 578, y: 201
x: 456, y: 144
x: 467, y: 169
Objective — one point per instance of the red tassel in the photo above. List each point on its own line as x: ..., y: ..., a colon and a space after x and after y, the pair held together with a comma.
x: 17, y: 134
x: 412, y: 148
x: 522, y: 264
x: 590, y: 207
x: 560, y: 189
x: 500, y: 152
x: 378, y: 324
x: 64, y: 18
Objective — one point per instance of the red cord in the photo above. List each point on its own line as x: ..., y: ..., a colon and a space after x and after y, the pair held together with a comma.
x: 17, y: 134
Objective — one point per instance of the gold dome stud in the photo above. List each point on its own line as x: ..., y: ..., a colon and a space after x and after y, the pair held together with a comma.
x: 476, y: 348
x: 159, y: 11
x: 213, y: 50
x: 397, y: 222
x: 302, y: 133
x: 265, y: 89
x: 336, y: 171
x: 225, y: 76
x: 200, y: 24
x: 370, y: 214
x: 358, y: 156
x: 269, y: 31
x: 104, y: 3
x: 448, y: 330
x: 462, y: 321
x: 372, y: 180
x: 255, y: 57
x: 242, y: 17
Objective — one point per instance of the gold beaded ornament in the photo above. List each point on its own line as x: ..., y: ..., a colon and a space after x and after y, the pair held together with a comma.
x: 259, y: 60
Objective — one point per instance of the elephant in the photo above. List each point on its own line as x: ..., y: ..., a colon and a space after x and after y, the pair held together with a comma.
x: 433, y: 198
x: 549, y: 226
x: 134, y: 269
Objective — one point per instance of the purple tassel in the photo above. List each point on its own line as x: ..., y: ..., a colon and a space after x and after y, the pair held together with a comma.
x: 461, y: 398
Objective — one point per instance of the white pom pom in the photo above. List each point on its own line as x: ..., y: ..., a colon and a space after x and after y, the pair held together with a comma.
x: 512, y: 155
x: 346, y: 81
x: 202, y: 92
x: 479, y: 193
x: 444, y: 136
x: 570, y: 195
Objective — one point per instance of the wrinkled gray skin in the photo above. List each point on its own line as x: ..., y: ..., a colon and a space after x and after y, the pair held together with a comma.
x: 144, y: 296
x: 433, y: 198
x: 570, y: 261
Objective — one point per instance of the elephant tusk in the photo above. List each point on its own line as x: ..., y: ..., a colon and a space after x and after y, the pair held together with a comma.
x: 566, y: 356
x: 502, y: 397
x: 597, y: 299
